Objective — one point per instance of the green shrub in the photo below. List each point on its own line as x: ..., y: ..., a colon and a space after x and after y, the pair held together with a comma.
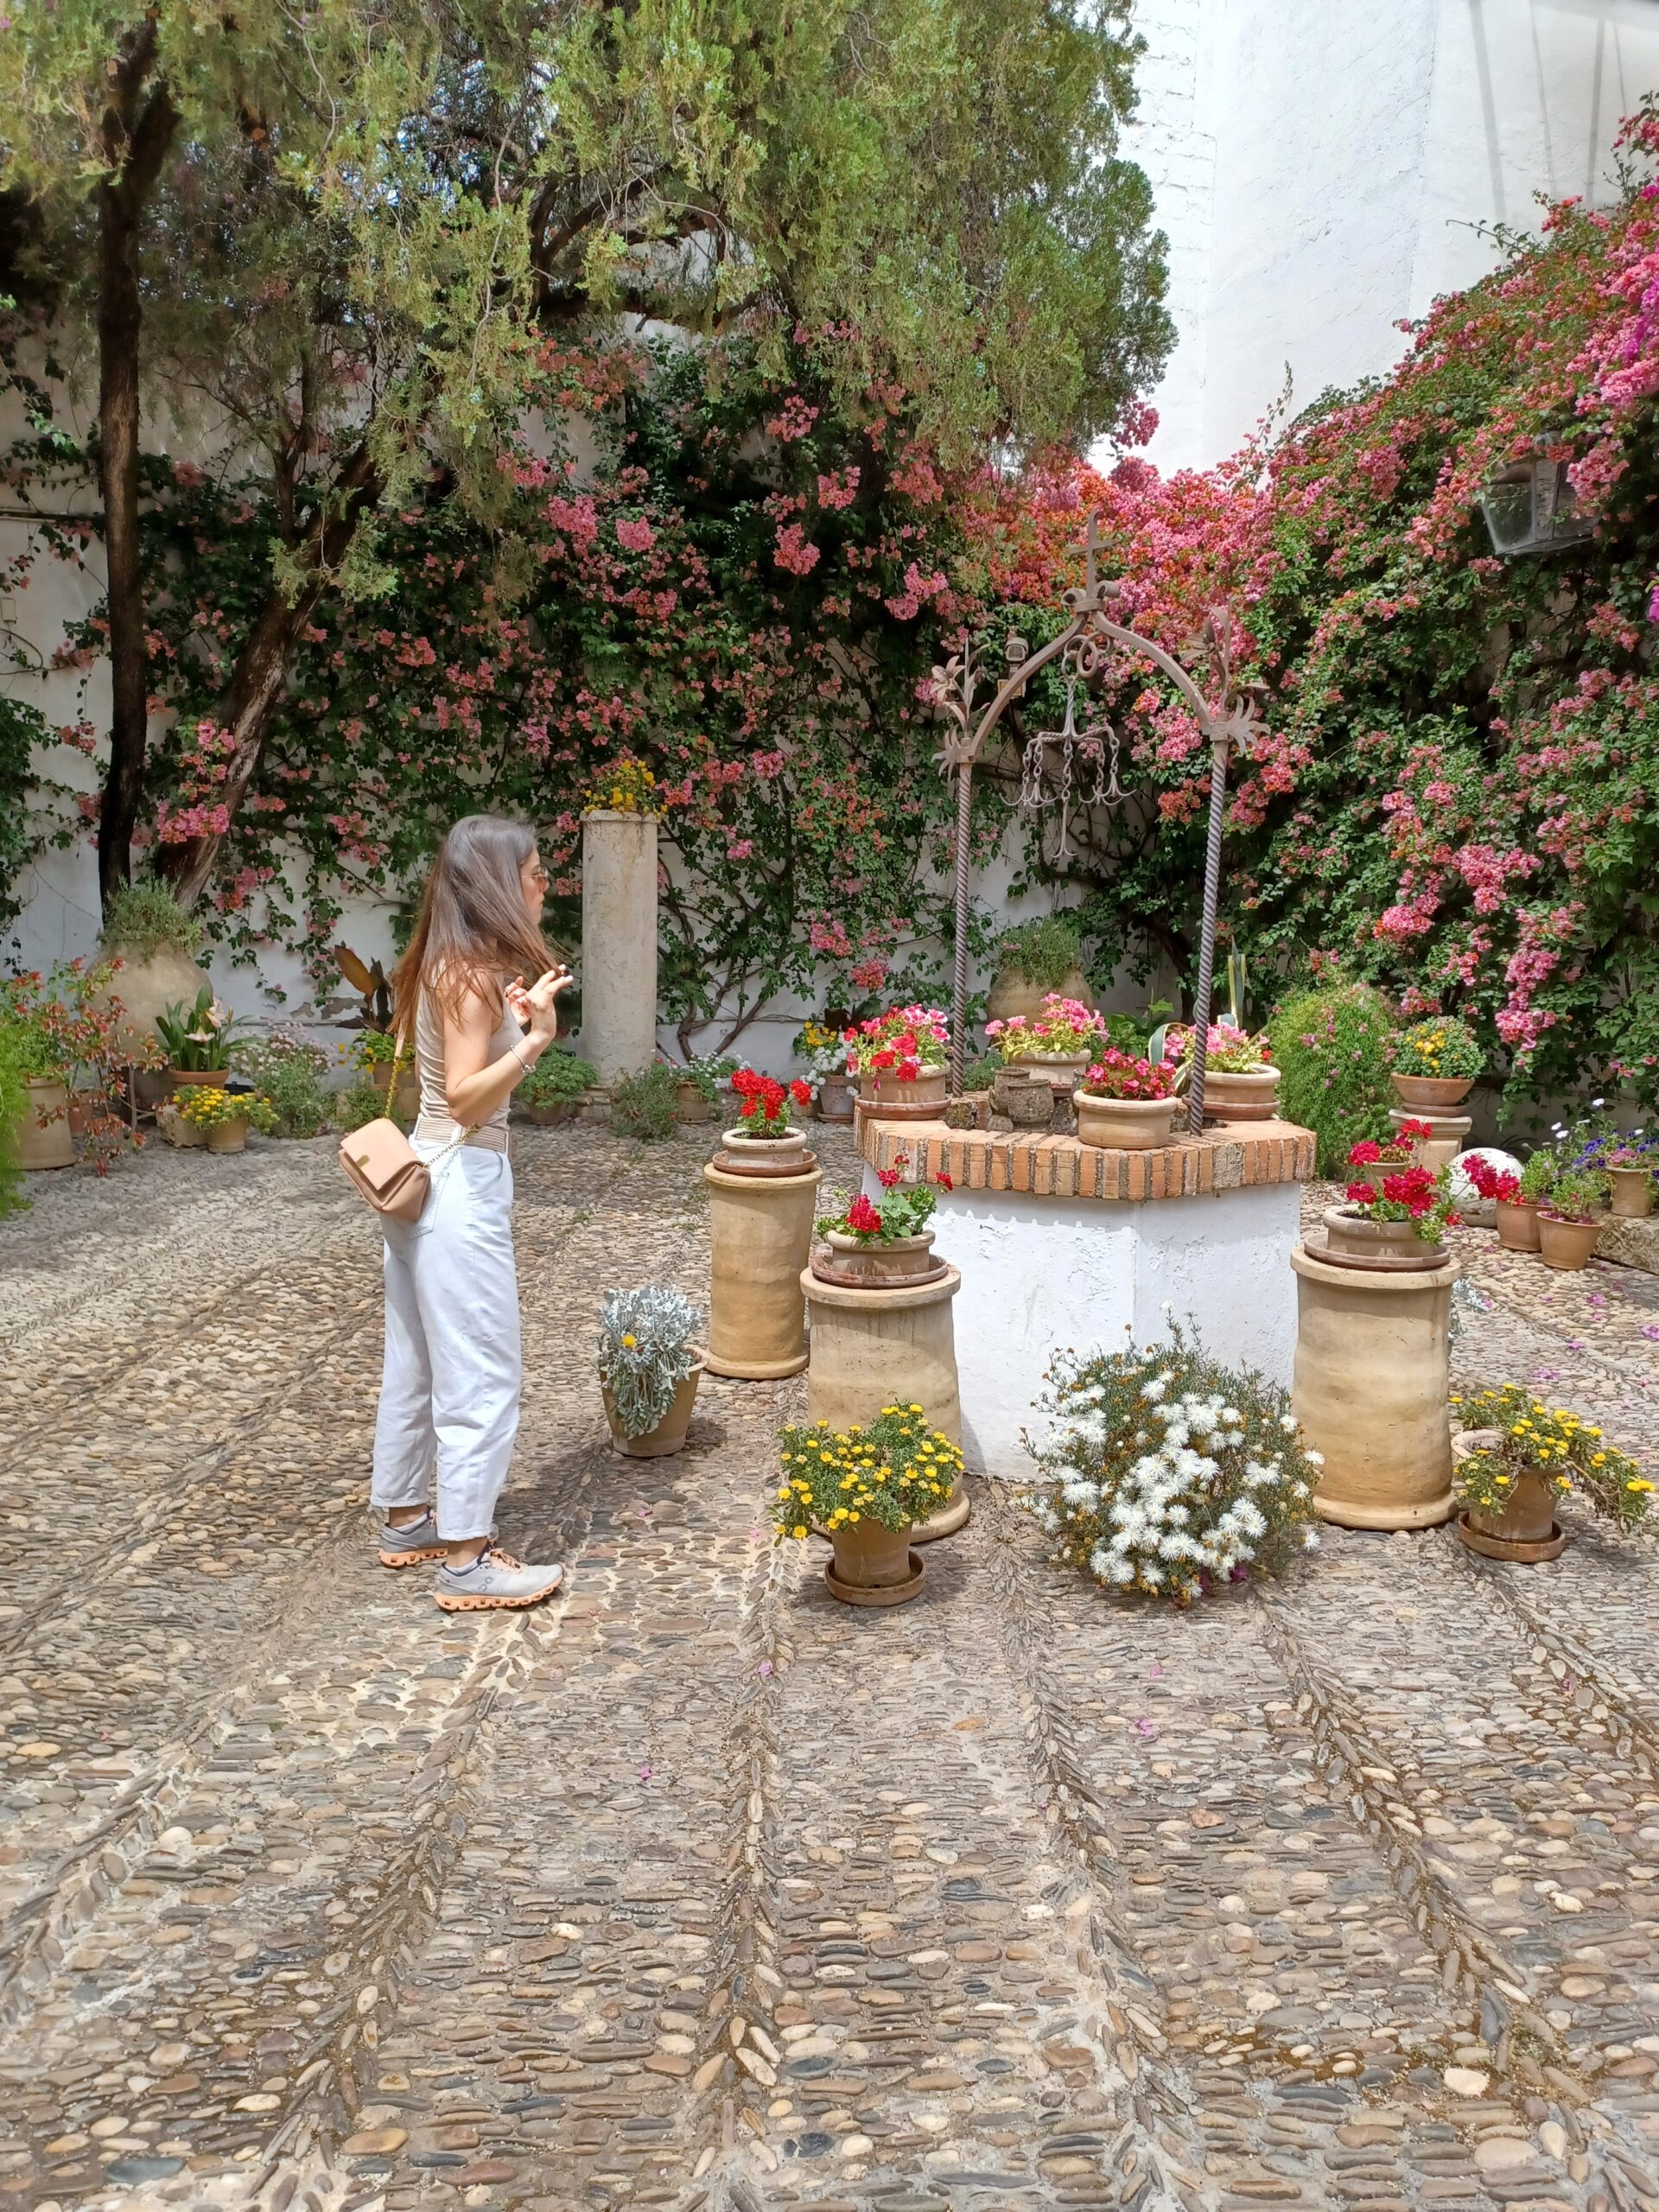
x: 13, y: 1069
x: 1333, y: 1049
x: 288, y: 1069
x: 558, y: 1075
x: 981, y: 1074
x: 146, y: 918
x: 1442, y: 1050
x: 1042, y: 953
x: 362, y: 1100
x: 647, y: 1105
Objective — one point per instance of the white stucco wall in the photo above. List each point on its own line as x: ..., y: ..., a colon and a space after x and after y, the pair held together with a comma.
x: 1041, y: 1273
x: 1322, y: 169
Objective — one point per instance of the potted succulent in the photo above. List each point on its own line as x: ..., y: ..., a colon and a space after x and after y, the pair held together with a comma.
x: 1126, y: 1104
x: 1569, y: 1220
x: 1435, y: 1064
x: 696, y: 1092
x: 887, y: 1244
x: 764, y: 1135
x: 898, y: 1060
x: 223, y: 1117
x: 1628, y: 1169
x: 865, y: 1487
x: 555, y: 1087
x: 649, y: 1367
x: 1240, y: 1083
x: 197, y: 1041
x: 1516, y: 1456
x: 1371, y: 1161
x: 1036, y: 959
x: 1402, y: 1225
x: 1168, y: 1473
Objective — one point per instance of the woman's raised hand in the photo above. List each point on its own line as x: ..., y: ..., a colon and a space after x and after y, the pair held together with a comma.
x: 536, y: 1004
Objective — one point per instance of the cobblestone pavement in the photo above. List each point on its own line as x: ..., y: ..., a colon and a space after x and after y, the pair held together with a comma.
x: 698, y: 1890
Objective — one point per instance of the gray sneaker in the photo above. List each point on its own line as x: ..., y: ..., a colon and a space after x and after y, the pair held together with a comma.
x: 411, y: 1546
x: 493, y: 1580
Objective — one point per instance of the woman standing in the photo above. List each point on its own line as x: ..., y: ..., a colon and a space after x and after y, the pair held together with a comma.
x: 449, y: 1392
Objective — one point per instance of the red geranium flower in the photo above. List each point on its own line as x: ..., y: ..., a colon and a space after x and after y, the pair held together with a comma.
x: 944, y: 1181
x: 863, y: 1217
x: 1365, y: 1154
x: 888, y: 1178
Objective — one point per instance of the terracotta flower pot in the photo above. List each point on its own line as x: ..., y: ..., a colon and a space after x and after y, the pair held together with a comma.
x: 1632, y: 1192
x: 669, y: 1435
x: 1432, y: 1091
x: 42, y: 1137
x: 690, y: 1107
x: 1369, y: 1390
x: 835, y: 1098
x: 197, y: 1079
x: 227, y: 1136
x: 1125, y: 1124
x: 1517, y: 1223
x: 1245, y: 1098
x: 1352, y: 1239
x: 872, y: 1566
x: 1012, y: 996
x: 1530, y: 1515
x: 759, y: 1235
x: 901, y: 1261
x: 406, y: 1096
x: 1566, y: 1244
x: 786, y: 1152
x: 882, y: 1095
x: 547, y: 1113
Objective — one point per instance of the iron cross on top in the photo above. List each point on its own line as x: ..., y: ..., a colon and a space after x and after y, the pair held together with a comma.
x: 1094, y: 593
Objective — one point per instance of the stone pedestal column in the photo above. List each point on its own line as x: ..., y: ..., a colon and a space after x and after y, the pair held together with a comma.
x: 618, y: 942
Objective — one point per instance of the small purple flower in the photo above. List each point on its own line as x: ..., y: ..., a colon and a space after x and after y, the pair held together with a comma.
x: 1143, y: 1725
x: 1154, y: 1670
x: 1651, y: 1331
x: 645, y: 1773
x: 764, y: 1670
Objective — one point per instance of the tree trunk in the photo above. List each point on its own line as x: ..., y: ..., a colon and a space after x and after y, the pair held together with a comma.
x: 258, y: 680
x: 134, y: 152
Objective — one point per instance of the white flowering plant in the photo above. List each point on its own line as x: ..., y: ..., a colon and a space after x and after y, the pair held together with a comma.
x: 1169, y: 1473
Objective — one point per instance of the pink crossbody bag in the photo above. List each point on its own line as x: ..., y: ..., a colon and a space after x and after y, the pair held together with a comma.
x: 384, y: 1166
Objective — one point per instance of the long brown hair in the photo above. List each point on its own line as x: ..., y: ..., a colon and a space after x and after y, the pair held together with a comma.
x: 472, y: 930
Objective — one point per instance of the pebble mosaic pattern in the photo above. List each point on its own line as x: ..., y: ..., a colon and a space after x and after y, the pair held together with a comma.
x: 701, y: 1891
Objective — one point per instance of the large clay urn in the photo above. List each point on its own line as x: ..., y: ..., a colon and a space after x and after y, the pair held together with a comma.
x: 887, y: 1341
x: 1370, y: 1387
x: 1012, y: 994
x: 760, y: 1234
x: 168, y: 976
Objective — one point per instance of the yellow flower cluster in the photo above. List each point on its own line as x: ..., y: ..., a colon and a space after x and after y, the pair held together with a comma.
x: 1562, y: 1446
x: 894, y: 1471
x: 627, y: 787
x: 817, y: 1038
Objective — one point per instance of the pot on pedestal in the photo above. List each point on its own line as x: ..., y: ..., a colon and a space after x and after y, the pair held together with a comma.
x: 744, y: 1154
x: 885, y: 1339
x: 1451, y: 1133
x: 1370, y: 1386
x: 760, y: 1233
x: 1424, y: 1095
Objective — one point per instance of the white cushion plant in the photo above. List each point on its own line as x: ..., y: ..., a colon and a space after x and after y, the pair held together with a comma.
x: 1169, y: 1473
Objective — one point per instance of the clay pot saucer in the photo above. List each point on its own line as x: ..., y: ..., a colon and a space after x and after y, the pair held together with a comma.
x: 1526, y: 1553
x: 885, y: 1593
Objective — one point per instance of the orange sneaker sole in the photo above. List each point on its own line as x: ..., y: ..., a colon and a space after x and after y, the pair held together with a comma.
x: 395, y: 1559
x: 449, y: 1605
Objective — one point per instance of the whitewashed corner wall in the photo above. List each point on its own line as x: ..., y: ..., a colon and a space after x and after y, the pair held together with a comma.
x: 1322, y: 169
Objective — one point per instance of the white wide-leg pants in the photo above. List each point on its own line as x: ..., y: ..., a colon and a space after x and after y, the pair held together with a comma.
x: 449, y: 1392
